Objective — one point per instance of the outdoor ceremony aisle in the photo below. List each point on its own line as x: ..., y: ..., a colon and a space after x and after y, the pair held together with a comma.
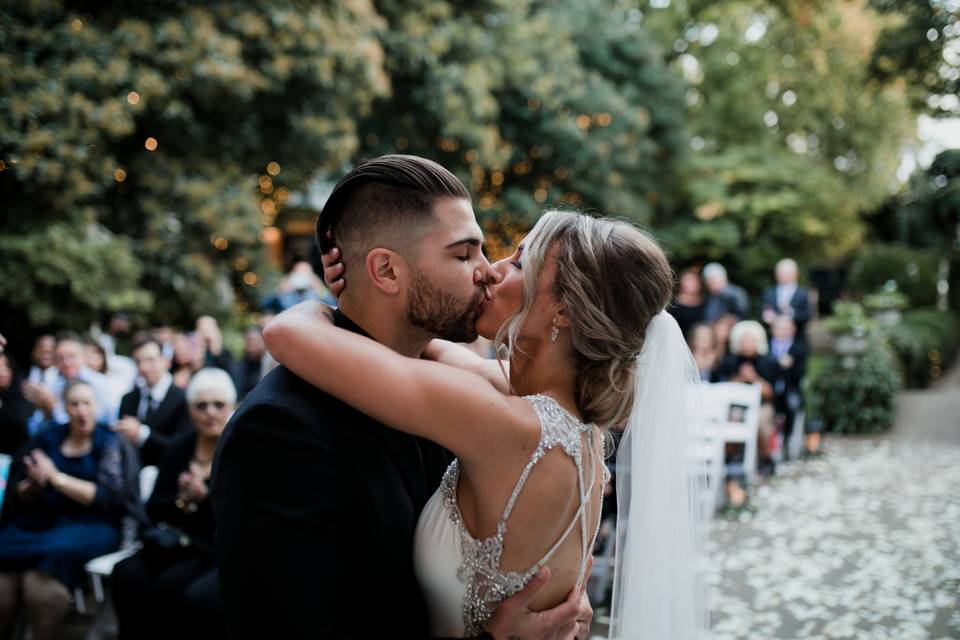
x: 861, y: 544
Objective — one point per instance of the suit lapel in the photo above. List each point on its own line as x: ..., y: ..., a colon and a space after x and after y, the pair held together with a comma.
x: 161, y: 414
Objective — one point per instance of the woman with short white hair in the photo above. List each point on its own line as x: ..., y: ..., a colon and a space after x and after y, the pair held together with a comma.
x: 750, y: 362
x: 157, y: 589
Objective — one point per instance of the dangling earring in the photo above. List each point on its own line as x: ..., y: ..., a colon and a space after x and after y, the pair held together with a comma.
x: 554, y: 331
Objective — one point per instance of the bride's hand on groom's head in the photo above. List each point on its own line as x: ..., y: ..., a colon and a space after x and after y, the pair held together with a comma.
x: 333, y: 271
x: 514, y: 618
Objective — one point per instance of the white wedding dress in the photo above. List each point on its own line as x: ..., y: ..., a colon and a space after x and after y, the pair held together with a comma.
x: 460, y: 576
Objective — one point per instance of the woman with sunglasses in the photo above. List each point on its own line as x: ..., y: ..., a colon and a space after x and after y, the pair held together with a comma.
x: 164, y: 585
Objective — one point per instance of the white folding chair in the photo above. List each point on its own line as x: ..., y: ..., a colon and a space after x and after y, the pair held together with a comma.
x: 732, y: 415
x: 102, y: 566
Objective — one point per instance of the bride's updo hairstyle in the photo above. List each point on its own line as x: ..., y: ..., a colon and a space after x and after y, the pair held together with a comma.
x: 611, y: 279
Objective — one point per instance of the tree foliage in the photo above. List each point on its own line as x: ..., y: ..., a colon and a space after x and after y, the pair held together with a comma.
x: 532, y: 104
x: 132, y: 136
x: 792, y: 138
x: 921, y: 44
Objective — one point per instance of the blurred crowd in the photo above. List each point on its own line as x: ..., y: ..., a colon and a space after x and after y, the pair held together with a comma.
x: 78, y: 424
x: 763, y: 344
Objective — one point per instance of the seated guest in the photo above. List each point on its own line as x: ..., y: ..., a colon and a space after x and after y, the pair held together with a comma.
x: 163, y: 333
x: 749, y: 361
x: 211, y: 345
x: 256, y: 361
x: 187, y: 358
x: 790, y: 355
x: 120, y: 371
x: 689, y: 305
x: 703, y: 346
x: 299, y: 285
x: 14, y: 409
x: 787, y: 298
x: 154, y: 589
x: 156, y: 410
x: 721, y: 331
x: 71, y: 365
x: 64, y: 507
x: 724, y: 297
x: 43, y: 369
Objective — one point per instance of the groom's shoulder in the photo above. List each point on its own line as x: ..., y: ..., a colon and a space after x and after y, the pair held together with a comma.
x: 284, y: 392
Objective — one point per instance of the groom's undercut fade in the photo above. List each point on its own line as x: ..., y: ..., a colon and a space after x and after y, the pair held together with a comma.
x: 385, y: 202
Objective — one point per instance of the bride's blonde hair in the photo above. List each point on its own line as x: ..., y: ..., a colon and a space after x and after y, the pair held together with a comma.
x: 611, y: 279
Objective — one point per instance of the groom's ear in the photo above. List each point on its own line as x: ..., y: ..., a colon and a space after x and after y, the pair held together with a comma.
x: 384, y: 268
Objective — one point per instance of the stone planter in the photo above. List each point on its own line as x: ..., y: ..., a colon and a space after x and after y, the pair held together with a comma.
x: 849, y: 345
x: 887, y: 318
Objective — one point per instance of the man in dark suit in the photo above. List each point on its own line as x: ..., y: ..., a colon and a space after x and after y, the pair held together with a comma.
x: 724, y: 297
x: 790, y: 354
x: 156, y: 409
x: 787, y: 298
x: 316, y: 504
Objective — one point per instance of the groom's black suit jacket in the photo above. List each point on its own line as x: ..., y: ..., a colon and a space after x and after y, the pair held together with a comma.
x: 315, y: 507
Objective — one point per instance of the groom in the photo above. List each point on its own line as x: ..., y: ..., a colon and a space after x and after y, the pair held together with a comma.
x: 315, y: 503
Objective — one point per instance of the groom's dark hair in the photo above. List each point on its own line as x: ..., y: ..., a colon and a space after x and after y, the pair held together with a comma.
x: 385, y: 201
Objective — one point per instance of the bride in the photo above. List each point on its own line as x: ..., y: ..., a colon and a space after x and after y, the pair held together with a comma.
x: 578, y: 311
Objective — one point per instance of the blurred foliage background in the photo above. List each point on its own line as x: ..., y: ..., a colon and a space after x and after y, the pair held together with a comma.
x: 158, y: 157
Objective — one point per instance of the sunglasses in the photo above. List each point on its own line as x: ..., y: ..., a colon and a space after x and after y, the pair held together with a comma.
x: 217, y: 405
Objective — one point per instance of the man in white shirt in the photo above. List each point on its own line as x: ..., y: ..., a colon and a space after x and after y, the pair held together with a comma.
x: 156, y: 409
x: 48, y: 398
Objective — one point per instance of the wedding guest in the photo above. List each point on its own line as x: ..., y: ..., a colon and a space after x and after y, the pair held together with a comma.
x: 703, y: 345
x: 256, y: 361
x: 299, y: 285
x: 724, y: 297
x: 63, y: 508
x: 118, y: 370
x: 211, y: 344
x: 787, y: 298
x: 153, y: 589
x: 163, y: 333
x: 749, y: 361
x: 187, y: 358
x: 155, y: 411
x: 791, y: 356
x: 116, y: 339
x: 721, y: 330
x: 70, y: 366
x: 14, y: 409
x: 43, y: 369
x: 690, y: 305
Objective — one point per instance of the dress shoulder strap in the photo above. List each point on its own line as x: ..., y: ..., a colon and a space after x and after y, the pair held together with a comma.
x: 558, y: 427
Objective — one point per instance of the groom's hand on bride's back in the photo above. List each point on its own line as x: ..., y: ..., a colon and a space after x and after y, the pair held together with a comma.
x: 515, y: 619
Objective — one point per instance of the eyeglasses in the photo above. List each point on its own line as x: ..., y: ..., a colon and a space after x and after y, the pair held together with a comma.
x: 217, y: 405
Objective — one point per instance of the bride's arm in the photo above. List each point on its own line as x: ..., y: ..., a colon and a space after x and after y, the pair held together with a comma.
x: 458, y: 409
x: 457, y: 355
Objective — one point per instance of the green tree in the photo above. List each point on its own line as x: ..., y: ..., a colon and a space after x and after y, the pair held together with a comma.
x: 144, y: 146
x: 792, y: 138
x: 921, y: 44
x: 532, y: 104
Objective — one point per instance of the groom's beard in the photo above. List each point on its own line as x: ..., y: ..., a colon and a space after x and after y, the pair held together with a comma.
x: 442, y: 314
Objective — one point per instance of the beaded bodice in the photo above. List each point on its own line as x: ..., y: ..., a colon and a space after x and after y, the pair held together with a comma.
x: 479, y: 570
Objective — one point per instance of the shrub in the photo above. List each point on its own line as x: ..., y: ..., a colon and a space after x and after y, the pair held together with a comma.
x: 856, y: 399
x: 914, y: 271
x: 926, y: 342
